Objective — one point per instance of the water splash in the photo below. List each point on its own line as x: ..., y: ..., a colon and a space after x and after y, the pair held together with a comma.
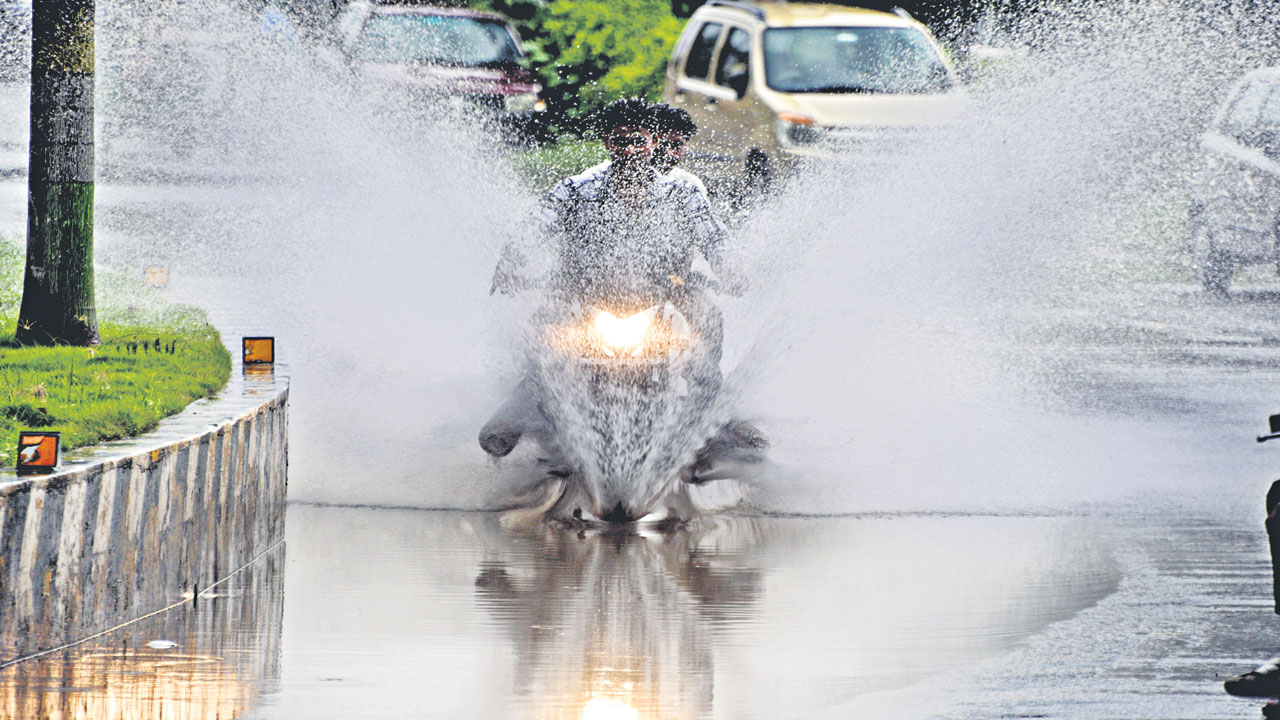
x: 884, y: 345
x: 894, y: 365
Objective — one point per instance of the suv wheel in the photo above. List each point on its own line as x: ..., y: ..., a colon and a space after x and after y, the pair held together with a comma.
x: 1215, y: 265
x: 1216, y: 271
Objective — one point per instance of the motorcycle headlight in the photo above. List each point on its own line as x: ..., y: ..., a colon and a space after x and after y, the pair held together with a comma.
x: 623, y: 335
x: 797, y: 129
x: 521, y: 103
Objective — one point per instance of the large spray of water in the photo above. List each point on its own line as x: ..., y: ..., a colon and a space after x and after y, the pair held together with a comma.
x: 903, y: 329
x: 883, y: 346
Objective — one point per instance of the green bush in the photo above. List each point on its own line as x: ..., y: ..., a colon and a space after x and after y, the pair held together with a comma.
x: 154, y: 360
x: 589, y: 53
x: 543, y: 167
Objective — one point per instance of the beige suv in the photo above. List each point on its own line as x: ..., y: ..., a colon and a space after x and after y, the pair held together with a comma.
x: 773, y: 83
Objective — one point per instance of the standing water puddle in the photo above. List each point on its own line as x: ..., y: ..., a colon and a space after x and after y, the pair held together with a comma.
x: 397, y: 613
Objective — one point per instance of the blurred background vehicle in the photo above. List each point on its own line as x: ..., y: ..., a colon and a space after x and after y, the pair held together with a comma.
x: 1234, y: 216
x: 771, y: 84
x: 456, y: 59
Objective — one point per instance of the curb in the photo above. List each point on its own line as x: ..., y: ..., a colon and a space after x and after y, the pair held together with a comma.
x: 132, y: 527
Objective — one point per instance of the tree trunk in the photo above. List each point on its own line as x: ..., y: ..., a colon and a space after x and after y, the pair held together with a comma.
x: 57, y: 294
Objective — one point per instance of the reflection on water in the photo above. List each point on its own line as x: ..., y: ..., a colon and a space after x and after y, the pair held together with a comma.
x: 751, y: 617
x: 396, y: 613
x: 613, y: 624
x: 411, y: 614
x: 226, y: 654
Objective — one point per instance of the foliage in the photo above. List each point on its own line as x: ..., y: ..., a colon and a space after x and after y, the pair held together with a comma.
x: 591, y: 52
x: 611, y: 48
x: 544, y: 166
x: 155, y: 359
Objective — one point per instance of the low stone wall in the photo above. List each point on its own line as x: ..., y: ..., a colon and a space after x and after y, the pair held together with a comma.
x: 137, y: 527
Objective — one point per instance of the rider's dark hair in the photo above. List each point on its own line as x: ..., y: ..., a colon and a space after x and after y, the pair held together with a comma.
x: 627, y: 111
x: 674, y: 120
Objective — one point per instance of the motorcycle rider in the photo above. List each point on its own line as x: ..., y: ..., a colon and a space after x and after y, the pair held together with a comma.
x: 615, y: 225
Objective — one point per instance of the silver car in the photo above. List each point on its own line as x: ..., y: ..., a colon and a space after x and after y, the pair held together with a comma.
x: 1235, y: 209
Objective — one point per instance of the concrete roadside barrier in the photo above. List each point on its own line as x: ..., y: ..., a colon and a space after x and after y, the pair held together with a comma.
x: 131, y: 528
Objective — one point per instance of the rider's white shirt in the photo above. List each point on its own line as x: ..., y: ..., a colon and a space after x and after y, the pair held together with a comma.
x: 678, y: 176
x: 596, y: 235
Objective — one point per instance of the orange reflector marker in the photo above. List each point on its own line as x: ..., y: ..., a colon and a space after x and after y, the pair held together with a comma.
x: 259, y: 350
x: 39, y: 453
x: 156, y: 276
x: 795, y: 118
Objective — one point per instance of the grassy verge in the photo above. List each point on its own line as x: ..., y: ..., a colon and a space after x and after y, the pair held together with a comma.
x: 155, y: 359
x: 543, y: 167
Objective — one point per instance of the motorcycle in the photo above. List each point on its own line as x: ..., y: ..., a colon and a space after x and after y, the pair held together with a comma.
x: 623, y: 396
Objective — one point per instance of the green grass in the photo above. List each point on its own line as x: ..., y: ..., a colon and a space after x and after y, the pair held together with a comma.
x: 543, y: 167
x: 154, y: 360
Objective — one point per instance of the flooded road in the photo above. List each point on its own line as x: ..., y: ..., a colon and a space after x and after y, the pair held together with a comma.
x: 384, y: 613
x: 1107, y: 562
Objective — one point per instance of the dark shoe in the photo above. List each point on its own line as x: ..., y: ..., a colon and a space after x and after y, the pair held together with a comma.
x: 745, y: 435
x: 499, y: 438
x: 556, y: 468
x: 738, y: 442
x: 1262, y: 682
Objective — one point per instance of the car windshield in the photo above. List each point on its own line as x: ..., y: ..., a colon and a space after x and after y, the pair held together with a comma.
x: 437, y: 40
x: 852, y: 60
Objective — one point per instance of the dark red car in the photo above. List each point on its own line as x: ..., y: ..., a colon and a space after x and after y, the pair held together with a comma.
x: 468, y: 59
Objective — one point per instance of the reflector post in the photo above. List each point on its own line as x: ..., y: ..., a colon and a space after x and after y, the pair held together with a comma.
x: 156, y: 276
x: 39, y: 453
x: 259, y: 350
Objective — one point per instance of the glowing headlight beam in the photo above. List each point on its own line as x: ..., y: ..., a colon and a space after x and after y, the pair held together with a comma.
x: 623, y: 333
x: 603, y: 708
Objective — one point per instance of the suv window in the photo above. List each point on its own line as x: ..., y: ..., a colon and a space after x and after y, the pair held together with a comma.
x: 1269, y: 117
x: 704, y: 45
x: 1265, y: 135
x: 852, y: 60
x: 733, y: 70
x: 1244, y: 111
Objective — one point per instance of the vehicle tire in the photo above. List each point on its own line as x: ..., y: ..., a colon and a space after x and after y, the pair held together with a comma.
x: 1213, y: 264
x: 759, y: 175
x: 1216, y: 272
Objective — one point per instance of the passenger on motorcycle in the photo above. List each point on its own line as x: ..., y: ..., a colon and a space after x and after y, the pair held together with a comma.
x: 675, y: 128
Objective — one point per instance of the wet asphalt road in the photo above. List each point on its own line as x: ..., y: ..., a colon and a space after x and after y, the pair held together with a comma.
x: 1131, y: 603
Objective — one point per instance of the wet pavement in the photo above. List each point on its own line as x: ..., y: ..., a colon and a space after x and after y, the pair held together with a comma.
x: 211, y: 658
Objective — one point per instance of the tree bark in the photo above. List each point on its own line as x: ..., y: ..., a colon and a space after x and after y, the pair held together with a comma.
x: 57, y: 296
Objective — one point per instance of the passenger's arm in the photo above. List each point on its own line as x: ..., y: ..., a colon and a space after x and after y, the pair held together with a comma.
x: 712, y: 238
